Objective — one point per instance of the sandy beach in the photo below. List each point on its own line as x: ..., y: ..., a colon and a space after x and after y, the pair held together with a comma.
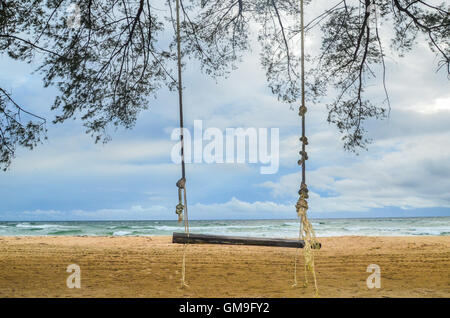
x: 150, y: 267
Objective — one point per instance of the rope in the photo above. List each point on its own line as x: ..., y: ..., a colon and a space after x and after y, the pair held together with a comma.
x: 181, y: 184
x: 306, y: 231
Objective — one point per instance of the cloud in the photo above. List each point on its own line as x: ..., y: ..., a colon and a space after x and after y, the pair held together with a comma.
x: 132, y: 177
x: 84, y: 157
x: 232, y: 209
x: 237, y: 209
x: 414, y: 173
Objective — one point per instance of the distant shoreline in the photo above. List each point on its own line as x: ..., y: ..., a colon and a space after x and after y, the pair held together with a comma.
x: 281, y: 228
x: 275, y: 219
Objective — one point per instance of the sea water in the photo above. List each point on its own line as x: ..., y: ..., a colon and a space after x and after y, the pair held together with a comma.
x: 439, y: 226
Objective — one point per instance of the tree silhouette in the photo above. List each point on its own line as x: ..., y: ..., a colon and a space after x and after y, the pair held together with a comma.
x: 110, y: 56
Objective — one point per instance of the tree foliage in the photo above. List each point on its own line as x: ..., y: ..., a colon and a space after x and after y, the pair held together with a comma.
x: 109, y: 56
x: 17, y: 128
x: 352, y: 48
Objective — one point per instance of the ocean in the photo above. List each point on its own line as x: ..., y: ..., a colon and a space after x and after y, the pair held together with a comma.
x: 258, y: 228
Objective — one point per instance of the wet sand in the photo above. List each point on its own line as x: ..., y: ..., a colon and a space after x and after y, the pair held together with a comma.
x: 151, y: 266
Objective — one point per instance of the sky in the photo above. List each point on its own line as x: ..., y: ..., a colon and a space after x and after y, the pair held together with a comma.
x: 404, y: 172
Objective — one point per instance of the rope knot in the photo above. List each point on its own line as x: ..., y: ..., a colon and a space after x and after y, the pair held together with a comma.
x: 304, y: 155
x: 304, y: 140
x: 179, y: 210
x: 180, y: 207
x: 181, y: 183
x: 303, y: 192
x: 302, y: 110
x: 301, y: 207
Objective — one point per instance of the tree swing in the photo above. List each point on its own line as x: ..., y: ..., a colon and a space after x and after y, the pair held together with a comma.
x: 306, y: 238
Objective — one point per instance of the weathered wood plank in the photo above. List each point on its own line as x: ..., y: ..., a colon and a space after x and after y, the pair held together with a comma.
x: 182, y: 238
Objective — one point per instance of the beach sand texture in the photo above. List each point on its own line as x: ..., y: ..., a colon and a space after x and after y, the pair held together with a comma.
x: 150, y: 267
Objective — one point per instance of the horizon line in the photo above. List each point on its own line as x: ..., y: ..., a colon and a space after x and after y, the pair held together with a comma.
x: 268, y: 219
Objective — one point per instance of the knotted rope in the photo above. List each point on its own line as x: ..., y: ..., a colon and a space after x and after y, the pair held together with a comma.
x: 181, y: 184
x: 306, y: 231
